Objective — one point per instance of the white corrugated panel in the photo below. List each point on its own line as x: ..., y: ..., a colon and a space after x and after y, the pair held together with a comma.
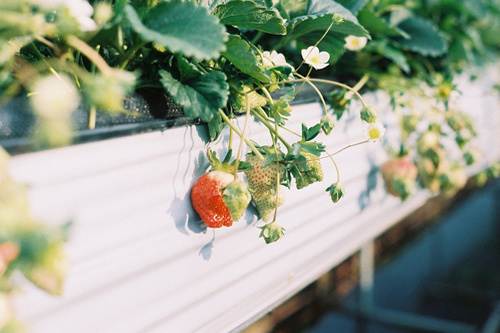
x: 141, y: 259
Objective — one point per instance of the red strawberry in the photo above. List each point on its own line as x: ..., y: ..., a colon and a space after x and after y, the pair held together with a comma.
x: 206, y: 197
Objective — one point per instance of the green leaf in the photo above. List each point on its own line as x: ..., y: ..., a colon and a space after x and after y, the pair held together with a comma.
x: 186, y: 69
x: 243, y: 55
x: 280, y: 110
x: 320, y: 15
x: 353, y: 5
x: 215, y: 127
x: 201, y: 97
x: 247, y: 14
x: 310, y: 133
x: 376, y: 26
x: 181, y: 27
x: 424, y: 37
x: 315, y: 148
x: 396, y: 56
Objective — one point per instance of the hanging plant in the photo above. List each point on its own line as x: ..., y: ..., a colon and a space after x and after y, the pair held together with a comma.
x: 218, y: 60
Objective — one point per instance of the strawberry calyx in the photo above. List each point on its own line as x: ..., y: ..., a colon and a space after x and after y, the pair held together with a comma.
x: 226, y: 165
x: 271, y: 232
x: 237, y: 197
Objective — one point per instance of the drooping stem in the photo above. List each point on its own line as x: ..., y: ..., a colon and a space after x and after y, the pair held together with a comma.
x: 237, y: 131
x: 131, y: 53
x: 320, y: 95
x: 271, y: 128
x: 278, y: 181
x: 350, y: 146
x: 358, y: 85
x: 330, y: 82
x: 45, y: 41
x: 263, y: 114
x: 302, y: 84
x: 240, y: 147
x: 90, y: 53
x: 328, y: 155
x: 336, y: 166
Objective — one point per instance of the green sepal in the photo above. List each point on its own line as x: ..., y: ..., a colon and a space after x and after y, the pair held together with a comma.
x: 271, y: 232
x: 336, y: 191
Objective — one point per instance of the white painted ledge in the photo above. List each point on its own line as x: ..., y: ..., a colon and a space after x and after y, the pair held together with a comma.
x: 142, y: 260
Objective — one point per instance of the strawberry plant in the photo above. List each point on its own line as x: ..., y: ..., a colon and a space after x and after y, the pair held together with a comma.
x: 222, y: 59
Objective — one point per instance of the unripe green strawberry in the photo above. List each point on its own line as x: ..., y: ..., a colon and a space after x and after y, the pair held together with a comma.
x: 313, y: 174
x: 206, y: 197
x: 237, y: 197
x: 50, y: 269
x: 262, y: 177
x: 266, y: 201
x: 399, y: 175
x: 263, y: 182
x: 274, y: 78
x: 254, y: 99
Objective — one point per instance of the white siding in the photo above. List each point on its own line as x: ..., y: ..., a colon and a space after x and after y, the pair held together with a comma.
x: 141, y: 259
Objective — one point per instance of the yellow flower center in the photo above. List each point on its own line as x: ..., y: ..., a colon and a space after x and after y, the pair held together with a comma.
x: 374, y: 133
x: 315, y: 59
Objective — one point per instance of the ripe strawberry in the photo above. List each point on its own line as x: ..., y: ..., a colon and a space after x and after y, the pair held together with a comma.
x: 206, y: 197
x: 237, y: 197
x: 399, y: 175
x: 313, y: 174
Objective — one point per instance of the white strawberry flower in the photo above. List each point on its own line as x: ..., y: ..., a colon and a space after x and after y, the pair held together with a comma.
x: 273, y: 59
x: 354, y: 43
x: 314, y: 58
x: 374, y: 131
x: 81, y: 10
x: 54, y: 96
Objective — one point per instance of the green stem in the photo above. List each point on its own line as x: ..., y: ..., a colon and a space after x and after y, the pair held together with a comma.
x: 240, y: 146
x: 303, y: 83
x: 320, y: 95
x: 131, y: 53
x: 330, y: 82
x: 278, y: 181
x: 349, y: 146
x: 90, y: 53
x: 237, y: 131
x: 263, y: 114
x: 336, y: 167
x: 359, y: 85
x: 45, y: 41
x: 267, y: 123
x: 257, y: 37
x: 92, y: 117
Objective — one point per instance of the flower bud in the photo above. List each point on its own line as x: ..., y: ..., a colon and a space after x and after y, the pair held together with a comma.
x: 327, y: 124
x: 369, y: 113
x: 109, y: 91
x: 54, y: 97
x: 337, y: 191
x: 103, y: 13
